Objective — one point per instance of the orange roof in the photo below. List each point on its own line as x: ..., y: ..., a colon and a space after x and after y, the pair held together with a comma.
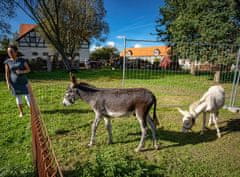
x: 147, y: 51
x: 25, y: 28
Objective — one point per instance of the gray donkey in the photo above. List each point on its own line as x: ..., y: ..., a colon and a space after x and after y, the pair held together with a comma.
x: 108, y: 103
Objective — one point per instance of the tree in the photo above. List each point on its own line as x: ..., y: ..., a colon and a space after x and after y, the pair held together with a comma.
x: 201, y: 22
x: 67, y: 23
x: 104, y: 53
x: 4, y: 42
x: 7, y: 8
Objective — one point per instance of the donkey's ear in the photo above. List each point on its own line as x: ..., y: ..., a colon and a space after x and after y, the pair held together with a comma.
x: 73, y: 79
x: 184, y: 113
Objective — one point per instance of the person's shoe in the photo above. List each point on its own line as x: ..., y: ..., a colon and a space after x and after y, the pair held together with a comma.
x: 21, y: 115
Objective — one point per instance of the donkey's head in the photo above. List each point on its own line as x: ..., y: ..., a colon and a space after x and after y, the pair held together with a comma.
x: 188, y: 120
x: 71, y: 94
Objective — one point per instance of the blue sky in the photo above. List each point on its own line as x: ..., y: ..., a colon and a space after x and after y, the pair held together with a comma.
x: 132, y: 18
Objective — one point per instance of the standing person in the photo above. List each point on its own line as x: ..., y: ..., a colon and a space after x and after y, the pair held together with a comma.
x: 17, y: 82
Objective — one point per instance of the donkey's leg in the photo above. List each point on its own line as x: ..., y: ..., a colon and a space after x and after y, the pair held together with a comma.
x: 215, y: 118
x: 108, y: 126
x: 94, y: 129
x: 153, y: 130
x: 210, y: 121
x: 143, y: 125
x: 204, y: 128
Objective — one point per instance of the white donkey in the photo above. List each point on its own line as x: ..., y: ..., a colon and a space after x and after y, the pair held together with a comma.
x: 211, y: 102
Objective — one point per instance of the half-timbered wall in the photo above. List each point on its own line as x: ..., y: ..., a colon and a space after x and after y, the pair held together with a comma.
x: 33, y: 46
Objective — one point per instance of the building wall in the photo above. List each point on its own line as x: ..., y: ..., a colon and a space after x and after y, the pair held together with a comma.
x: 150, y: 59
x: 30, y: 53
x: 33, y: 46
x: 84, y: 55
x: 34, y: 52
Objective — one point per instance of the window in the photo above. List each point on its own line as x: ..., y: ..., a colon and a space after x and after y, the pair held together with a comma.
x: 129, y: 53
x: 45, y: 53
x: 156, y: 52
x: 34, y: 54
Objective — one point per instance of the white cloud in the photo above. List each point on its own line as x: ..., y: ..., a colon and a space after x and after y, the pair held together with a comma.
x: 94, y: 47
x: 137, y: 46
x: 111, y: 44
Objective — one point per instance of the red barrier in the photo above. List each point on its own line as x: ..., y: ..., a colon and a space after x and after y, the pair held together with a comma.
x: 44, y: 158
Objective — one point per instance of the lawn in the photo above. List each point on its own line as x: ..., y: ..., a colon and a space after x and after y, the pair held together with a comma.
x: 181, y: 154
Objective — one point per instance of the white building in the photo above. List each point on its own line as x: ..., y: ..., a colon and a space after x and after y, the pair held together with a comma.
x: 32, y: 45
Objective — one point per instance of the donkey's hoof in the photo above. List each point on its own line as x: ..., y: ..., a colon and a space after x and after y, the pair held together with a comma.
x: 90, y: 145
x: 157, y: 146
x: 138, y: 149
x: 210, y: 124
x: 110, y: 142
x: 204, y: 130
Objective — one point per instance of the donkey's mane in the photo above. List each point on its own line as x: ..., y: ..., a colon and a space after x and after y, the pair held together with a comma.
x: 87, y: 87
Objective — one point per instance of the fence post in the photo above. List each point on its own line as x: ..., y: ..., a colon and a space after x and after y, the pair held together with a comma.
x: 217, y: 76
x: 124, y: 61
x: 34, y: 148
x: 235, y: 81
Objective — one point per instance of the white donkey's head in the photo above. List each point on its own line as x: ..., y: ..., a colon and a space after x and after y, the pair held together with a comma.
x: 188, y: 120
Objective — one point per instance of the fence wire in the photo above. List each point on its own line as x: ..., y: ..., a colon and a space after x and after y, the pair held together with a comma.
x: 180, y: 68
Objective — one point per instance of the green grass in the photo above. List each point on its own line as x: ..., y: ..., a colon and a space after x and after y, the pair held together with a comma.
x: 181, y: 154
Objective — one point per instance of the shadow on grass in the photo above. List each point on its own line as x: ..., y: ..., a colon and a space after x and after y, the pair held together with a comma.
x: 233, y: 125
x: 179, y: 138
x: 66, y: 111
x: 19, y: 174
x: 182, y: 139
x: 66, y: 131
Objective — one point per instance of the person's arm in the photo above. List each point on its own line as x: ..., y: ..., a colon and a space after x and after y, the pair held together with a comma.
x: 27, y: 68
x: 25, y: 71
x: 7, y: 76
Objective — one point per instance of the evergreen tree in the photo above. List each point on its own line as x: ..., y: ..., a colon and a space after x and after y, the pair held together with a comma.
x: 201, y: 22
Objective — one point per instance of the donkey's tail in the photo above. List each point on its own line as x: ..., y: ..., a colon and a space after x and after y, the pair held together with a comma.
x: 155, y: 119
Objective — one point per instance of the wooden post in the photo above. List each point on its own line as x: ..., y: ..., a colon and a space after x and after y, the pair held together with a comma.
x: 49, y: 63
x: 217, y: 76
x: 193, y: 68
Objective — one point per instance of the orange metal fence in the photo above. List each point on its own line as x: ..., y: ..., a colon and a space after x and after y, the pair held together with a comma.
x: 44, y: 157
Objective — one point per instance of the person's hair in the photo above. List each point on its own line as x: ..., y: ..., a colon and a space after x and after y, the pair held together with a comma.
x: 14, y: 47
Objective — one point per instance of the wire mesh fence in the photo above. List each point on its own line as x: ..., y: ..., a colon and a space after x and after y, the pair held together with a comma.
x: 180, y: 68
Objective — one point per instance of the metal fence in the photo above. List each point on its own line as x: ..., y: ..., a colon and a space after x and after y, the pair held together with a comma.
x: 44, y: 158
x: 235, y: 83
x: 204, y: 64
